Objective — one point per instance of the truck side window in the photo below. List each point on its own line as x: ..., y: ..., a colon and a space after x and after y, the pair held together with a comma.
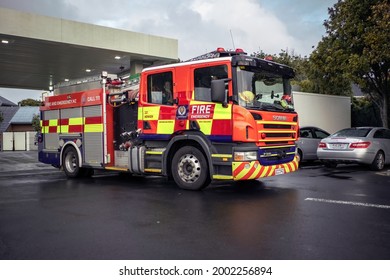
x: 160, y: 88
x: 202, y: 80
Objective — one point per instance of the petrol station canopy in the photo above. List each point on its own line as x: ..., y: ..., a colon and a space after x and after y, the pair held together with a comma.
x: 37, y: 52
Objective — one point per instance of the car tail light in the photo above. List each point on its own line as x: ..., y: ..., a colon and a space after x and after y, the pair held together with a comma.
x: 322, y: 145
x: 360, y: 145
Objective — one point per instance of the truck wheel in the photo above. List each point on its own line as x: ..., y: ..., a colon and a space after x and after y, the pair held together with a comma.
x: 70, y: 162
x: 189, y: 169
x: 378, y: 162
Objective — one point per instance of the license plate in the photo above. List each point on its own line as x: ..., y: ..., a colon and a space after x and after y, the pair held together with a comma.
x: 279, y: 171
x: 338, y: 146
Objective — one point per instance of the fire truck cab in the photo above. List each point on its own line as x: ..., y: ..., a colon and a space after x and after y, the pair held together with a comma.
x: 220, y: 116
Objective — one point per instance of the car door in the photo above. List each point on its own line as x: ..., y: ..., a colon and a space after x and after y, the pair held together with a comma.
x: 319, y: 134
x: 383, y: 136
x: 307, y: 143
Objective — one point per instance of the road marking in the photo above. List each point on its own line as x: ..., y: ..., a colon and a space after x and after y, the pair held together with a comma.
x: 348, y: 203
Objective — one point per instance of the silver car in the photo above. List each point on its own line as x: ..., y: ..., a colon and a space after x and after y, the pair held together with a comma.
x: 307, y: 143
x: 363, y: 145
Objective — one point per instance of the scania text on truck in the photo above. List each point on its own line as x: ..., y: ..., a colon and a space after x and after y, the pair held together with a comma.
x: 224, y: 115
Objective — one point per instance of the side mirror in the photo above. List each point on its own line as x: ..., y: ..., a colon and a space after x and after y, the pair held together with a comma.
x: 218, y: 90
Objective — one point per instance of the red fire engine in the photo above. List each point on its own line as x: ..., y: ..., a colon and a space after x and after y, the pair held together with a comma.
x: 220, y: 116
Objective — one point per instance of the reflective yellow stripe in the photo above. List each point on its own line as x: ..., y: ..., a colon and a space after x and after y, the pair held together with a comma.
x: 274, y: 147
x: 222, y: 155
x: 93, y: 127
x: 153, y: 152
x: 116, y: 168
x: 53, y: 122
x: 221, y: 113
x: 205, y: 126
x: 165, y: 126
x: 267, y: 170
x: 276, y: 140
x: 151, y: 113
x: 276, y: 131
x: 272, y: 122
x: 195, y: 102
x: 64, y: 128
x: 76, y: 121
x: 223, y: 177
x: 140, y: 116
x: 154, y: 170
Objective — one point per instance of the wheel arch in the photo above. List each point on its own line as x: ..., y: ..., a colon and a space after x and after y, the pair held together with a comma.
x: 71, y: 144
x: 191, y: 139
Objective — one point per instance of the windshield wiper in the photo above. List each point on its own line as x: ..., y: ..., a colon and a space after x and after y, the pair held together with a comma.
x: 269, y: 107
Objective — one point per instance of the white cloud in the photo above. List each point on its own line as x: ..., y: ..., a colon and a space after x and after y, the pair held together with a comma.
x: 251, y: 25
x: 201, y: 25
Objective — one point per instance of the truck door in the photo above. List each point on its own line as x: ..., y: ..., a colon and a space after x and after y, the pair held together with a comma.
x: 160, y: 104
x: 213, y: 119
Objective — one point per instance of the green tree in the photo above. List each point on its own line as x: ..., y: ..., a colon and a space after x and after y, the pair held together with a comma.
x: 1, y: 117
x: 356, y: 49
x: 36, y: 123
x: 297, y: 62
x: 364, y: 113
x: 29, y: 102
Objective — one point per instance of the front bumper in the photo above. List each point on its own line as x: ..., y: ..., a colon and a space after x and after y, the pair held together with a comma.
x: 254, y: 170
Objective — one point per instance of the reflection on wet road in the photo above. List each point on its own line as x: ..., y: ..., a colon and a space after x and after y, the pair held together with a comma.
x: 43, y: 215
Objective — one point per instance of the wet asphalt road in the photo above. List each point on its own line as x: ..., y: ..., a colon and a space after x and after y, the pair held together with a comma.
x: 315, y: 213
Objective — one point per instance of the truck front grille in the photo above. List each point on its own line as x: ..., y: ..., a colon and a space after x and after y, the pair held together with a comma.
x: 275, y: 133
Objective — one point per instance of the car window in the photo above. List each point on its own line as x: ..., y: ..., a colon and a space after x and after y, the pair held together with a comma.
x: 320, y: 134
x: 306, y: 133
x: 387, y: 134
x: 380, y: 133
x: 352, y: 132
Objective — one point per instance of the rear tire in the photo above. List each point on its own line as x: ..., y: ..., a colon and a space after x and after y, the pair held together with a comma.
x: 378, y: 162
x: 189, y: 169
x: 70, y: 163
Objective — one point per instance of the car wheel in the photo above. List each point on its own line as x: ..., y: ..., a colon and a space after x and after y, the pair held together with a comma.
x: 378, y: 162
x: 299, y: 156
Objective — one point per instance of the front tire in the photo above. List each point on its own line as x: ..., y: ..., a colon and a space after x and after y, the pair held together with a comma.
x: 189, y: 169
x: 378, y: 162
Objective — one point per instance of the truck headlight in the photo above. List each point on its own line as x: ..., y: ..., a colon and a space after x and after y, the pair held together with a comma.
x: 245, y: 156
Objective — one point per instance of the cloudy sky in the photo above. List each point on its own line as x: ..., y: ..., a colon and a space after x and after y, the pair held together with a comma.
x: 199, y: 25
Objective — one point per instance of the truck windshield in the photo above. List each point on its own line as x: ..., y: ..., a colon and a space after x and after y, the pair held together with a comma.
x: 257, y: 89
